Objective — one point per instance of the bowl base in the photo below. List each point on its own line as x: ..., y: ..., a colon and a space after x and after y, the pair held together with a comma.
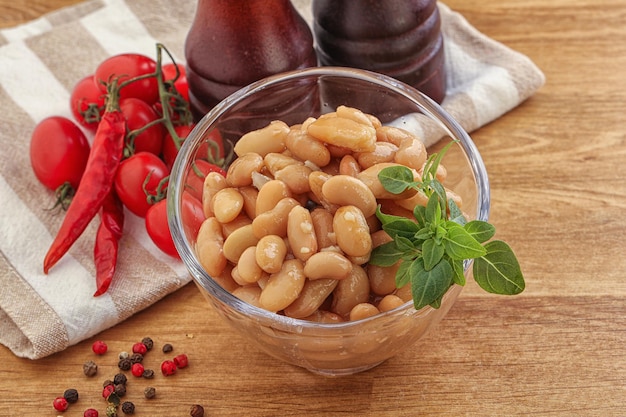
x: 343, y: 372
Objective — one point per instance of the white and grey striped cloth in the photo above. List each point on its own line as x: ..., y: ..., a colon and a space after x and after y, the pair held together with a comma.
x: 39, y: 64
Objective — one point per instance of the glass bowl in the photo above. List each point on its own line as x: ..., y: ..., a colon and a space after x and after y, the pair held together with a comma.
x: 339, y: 348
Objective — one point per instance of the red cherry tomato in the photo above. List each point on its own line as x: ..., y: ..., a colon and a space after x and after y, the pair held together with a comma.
x: 58, y: 152
x: 195, y: 180
x: 169, y: 146
x: 169, y: 73
x: 138, y: 178
x: 125, y: 67
x: 87, y: 102
x: 138, y: 114
x: 192, y: 215
x: 158, y: 229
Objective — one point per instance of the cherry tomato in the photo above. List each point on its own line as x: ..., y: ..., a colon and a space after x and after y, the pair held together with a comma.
x: 158, y: 229
x: 169, y: 146
x: 128, y: 66
x: 138, y: 114
x: 195, y: 180
x: 133, y: 172
x: 87, y: 102
x: 169, y: 73
x: 58, y: 152
x: 192, y: 215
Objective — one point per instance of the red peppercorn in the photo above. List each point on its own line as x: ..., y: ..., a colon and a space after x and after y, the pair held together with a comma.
x: 99, y: 347
x: 60, y: 404
x: 181, y: 360
x: 90, y: 412
x: 168, y: 367
x: 137, y: 369
x: 108, y: 390
x: 140, y: 348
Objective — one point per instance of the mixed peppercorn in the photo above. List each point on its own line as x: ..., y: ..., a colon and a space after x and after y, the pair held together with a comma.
x: 113, y: 390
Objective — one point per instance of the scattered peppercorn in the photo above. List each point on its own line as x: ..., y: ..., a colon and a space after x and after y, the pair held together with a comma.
x: 111, y: 411
x: 114, y: 399
x: 90, y: 368
x: 196, y: 411
x: 107, y: 382
x: 123, y: 355
x: 181, y: 360
x: 107, y: 391
x: 60, y: 404
x: 168, y: 367
x: 99, y: 347
x: 167, y: 348
x: 71, y: 395
x: 120, y: 379
x: 149, y: 343
x: 148, y: 373
x: 90, y: 412
x: 128, y: 408
x: 140, y: 348
x: 124, y: 364
x: 137, y: 369
x: 149, y: 392
x: 120, y: 390
x: 136, y: 358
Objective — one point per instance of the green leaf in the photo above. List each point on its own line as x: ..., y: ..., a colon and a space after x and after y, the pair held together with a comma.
x: 456, y: 215
x: 459, y: 244
x: 433, y: 210
x: 386, y: 254
x: 432, y: 252
x: 401, y: 228
x: 429, y: 286
x: 459, y: 272
x: 403, y: 277
x: 498, y: 271
x: 396, y: 179
x: 480, y: 230
x: 406, y: 245
x: 419, y: 212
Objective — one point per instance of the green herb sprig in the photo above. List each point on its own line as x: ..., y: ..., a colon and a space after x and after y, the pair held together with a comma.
x: 432, y: 250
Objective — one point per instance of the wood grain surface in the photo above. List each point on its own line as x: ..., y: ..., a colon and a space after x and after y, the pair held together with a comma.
x: 557, y: 166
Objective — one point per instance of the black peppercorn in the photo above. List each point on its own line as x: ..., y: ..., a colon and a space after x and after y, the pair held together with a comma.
x: 124, y: 364
x: 148, y: 374
x: 167, y: 348
x: 71, y: 395
x: 136, y: 358
x: 128, y: 408
x: 90, y: 368
x: 120, y: 390
x: 120, y: 379
x: 149, y: 392
x: 196, y: 411
x: 147, y: 342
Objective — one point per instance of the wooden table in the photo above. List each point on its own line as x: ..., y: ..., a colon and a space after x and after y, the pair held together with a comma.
x: 557, y: 165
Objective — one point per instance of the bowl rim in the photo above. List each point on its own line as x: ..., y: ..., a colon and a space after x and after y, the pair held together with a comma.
x: 429, y: 106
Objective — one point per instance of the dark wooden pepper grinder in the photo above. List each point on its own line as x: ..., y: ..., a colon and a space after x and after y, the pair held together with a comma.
x: 399, y: 38
x: 233, y: 43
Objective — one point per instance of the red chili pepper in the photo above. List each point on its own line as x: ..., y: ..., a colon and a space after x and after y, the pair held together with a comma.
x: 97, y: 181
x: 107, y: 242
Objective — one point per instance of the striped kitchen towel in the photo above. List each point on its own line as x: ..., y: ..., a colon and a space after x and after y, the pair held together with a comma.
x: 39, y: 64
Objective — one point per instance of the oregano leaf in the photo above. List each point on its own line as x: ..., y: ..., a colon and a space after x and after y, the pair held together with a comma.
x: 480, y: 230
x: 386, y: 254
x: 459, y: 272
x: 456, y: 215
x: 396, y: 179
x: 403, y: 277
x: 498, y: 271
x: 428, y: 286
x: 459, y: 244
x: 419, y: 212
x: 432, y: 252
